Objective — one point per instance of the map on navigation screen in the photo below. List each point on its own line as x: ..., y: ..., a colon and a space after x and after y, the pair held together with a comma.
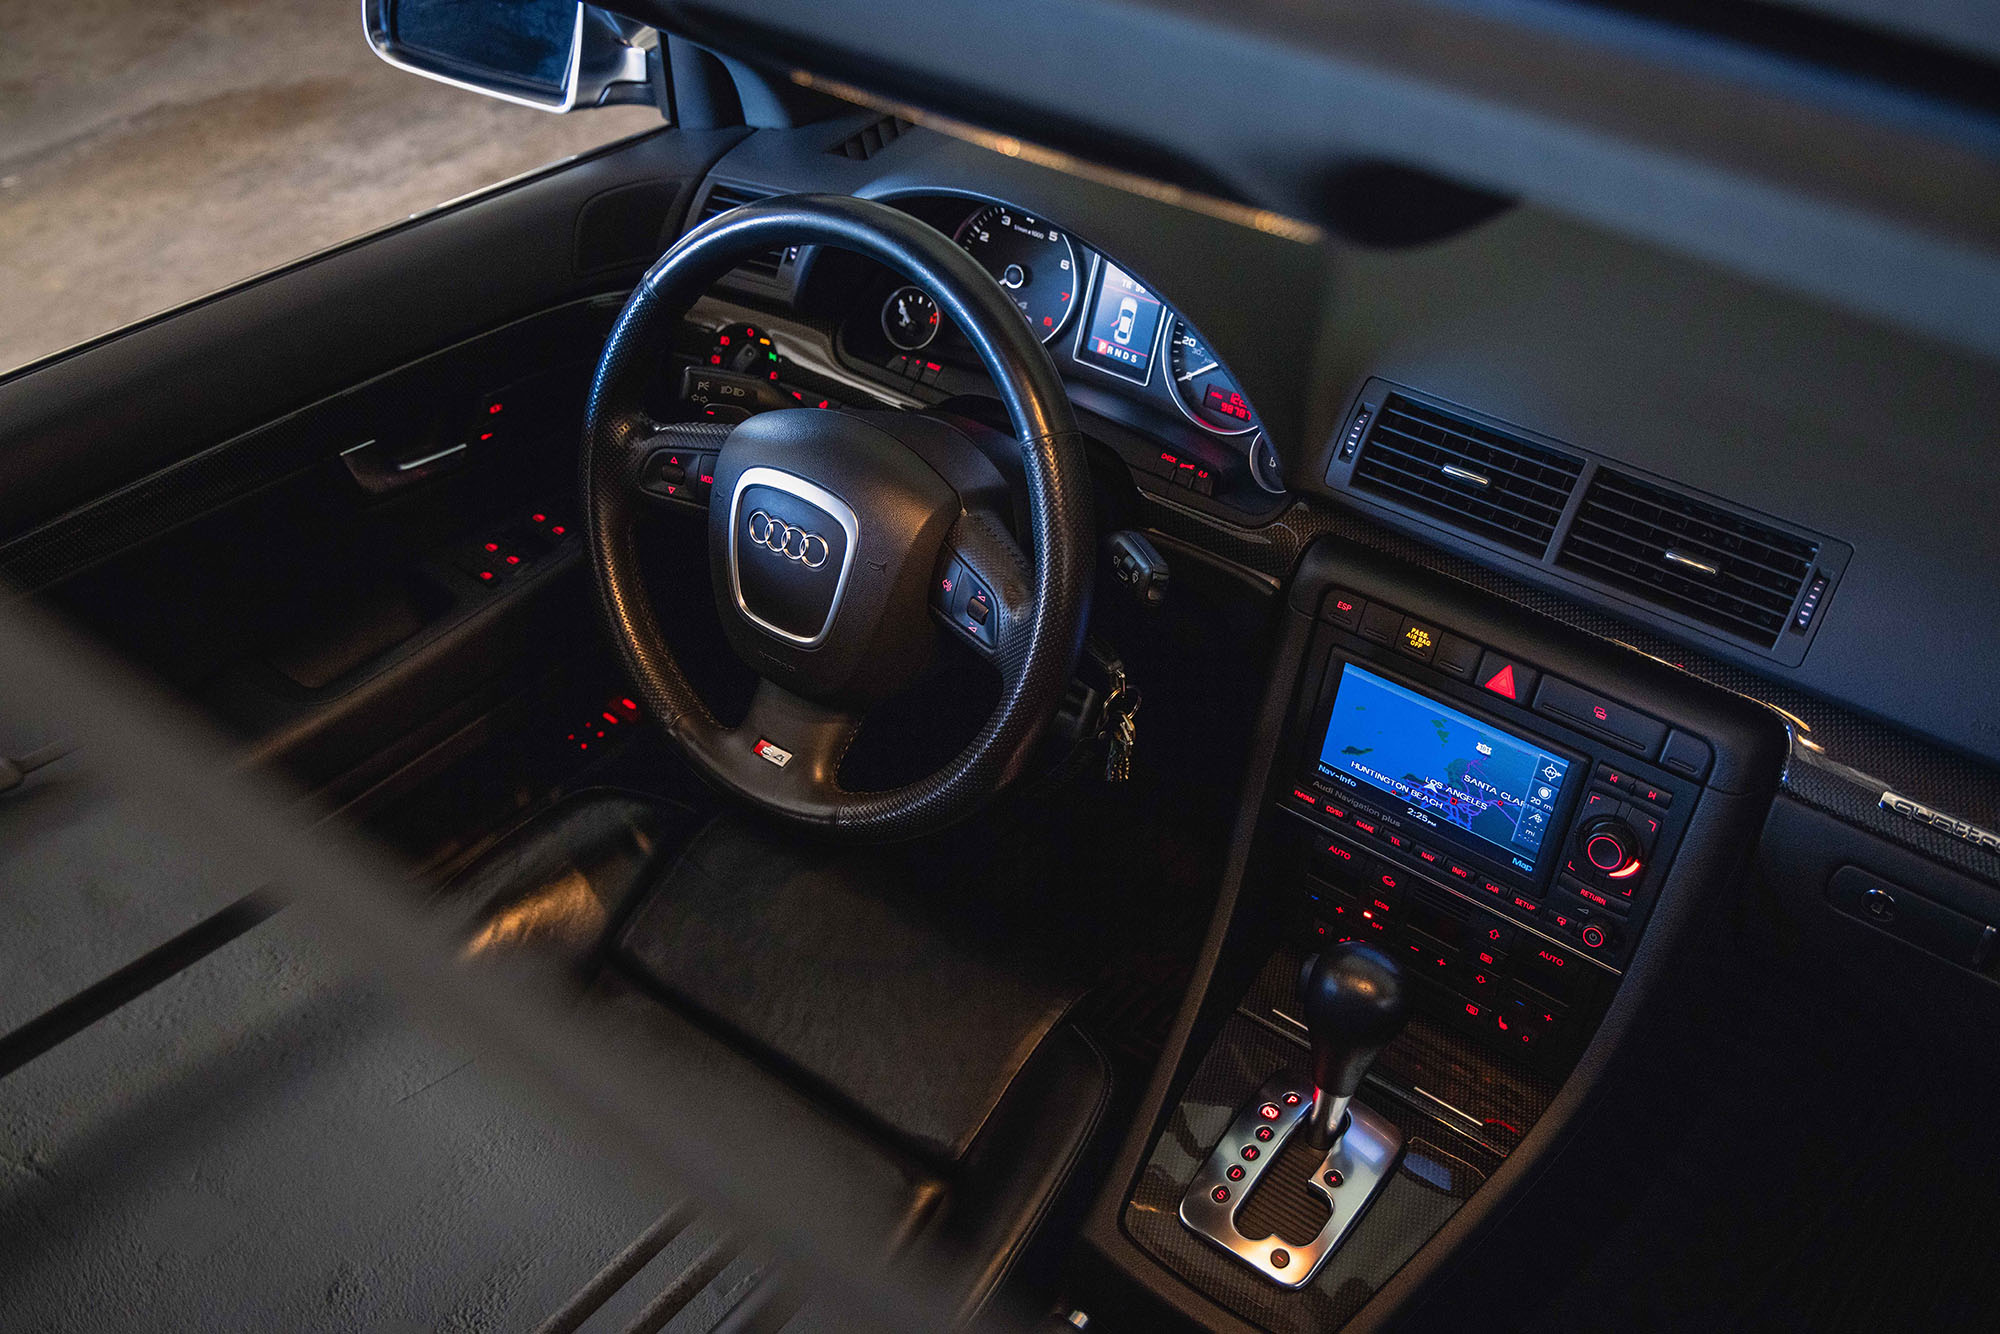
x: 1461, y: 773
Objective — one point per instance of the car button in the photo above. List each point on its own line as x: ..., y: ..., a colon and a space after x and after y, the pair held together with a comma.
x: 1686, y: 755
x: 1381, y: 624
x: 1456, y: 657
x: 1573, y: 704
x: 1417, y: 639
x: 1343, y: 609
x: 1506, y: 678
x: 1646, y: 822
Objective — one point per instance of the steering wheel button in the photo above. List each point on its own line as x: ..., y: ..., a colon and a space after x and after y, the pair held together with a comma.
x: 948, y: 590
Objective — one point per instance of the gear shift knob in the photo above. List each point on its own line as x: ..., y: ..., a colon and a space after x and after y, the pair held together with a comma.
x: 1354, y: 1006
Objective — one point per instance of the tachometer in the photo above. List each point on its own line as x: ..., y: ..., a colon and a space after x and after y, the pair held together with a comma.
x: 1030, y: 259
x: 1203, y: 386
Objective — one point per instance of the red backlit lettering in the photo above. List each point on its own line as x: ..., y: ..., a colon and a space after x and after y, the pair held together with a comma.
x: 1229, y: 404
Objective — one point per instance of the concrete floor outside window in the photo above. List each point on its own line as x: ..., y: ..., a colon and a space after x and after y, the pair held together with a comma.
x: 153, y: 151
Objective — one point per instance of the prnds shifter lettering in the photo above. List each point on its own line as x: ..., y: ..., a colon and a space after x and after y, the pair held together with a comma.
x: 1938, y: 820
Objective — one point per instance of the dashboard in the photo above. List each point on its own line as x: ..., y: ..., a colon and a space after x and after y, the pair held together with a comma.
x: 1597, y: 391
x: 1127, y: 354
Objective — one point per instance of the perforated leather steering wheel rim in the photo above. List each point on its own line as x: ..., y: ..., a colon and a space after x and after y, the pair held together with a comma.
x: 1035, y: 665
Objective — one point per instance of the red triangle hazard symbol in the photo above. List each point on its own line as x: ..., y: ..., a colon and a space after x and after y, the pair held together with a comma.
x: 1503, y: 682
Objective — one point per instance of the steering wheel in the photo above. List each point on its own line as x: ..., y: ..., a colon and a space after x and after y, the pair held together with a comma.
x: 843, y: 544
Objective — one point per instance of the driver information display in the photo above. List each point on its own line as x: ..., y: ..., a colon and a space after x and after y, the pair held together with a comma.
x: 1454, y: 772
x: 1124, y: 318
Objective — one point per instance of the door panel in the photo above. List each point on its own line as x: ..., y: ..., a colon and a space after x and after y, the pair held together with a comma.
x: 78, y: 425
x: 187, y: 492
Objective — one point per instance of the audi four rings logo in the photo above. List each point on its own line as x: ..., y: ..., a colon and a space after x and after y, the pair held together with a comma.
x: 808, y: 549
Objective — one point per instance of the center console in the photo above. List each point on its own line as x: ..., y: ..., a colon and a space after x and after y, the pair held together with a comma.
x: 1502, y: 830
x: 1511, y: 823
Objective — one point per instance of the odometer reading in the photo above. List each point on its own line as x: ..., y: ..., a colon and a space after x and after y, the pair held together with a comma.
x: 1203, y: 386
x: 1032, y: 261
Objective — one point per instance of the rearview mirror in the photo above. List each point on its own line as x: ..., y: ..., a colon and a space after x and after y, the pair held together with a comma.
x: 558, y: 55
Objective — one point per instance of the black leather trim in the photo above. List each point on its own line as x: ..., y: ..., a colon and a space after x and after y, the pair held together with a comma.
x: 831, y: 961
x: 1019, y: 1167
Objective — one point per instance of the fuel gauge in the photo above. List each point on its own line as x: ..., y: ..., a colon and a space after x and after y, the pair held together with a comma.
x: 910, y: 318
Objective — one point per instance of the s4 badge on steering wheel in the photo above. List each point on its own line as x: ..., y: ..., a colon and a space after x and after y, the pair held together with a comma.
x: 777, y: 755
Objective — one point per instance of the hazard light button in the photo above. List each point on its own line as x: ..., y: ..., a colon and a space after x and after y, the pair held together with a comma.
x: 1506, y: 678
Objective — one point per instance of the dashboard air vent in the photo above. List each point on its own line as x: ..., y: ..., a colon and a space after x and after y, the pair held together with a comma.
x: 722, y: 198
x: 1711, y: 565
x: 872, y: 139
x: 1479, y: 480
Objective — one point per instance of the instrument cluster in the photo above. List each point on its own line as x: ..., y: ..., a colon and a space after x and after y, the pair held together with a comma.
x: 1102, y: 324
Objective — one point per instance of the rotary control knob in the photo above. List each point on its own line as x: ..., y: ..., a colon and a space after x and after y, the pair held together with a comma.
x: 1609, y: 846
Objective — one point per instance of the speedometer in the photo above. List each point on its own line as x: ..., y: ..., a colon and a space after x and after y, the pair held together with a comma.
x: 1203, y: 386
x: 1031, y: 260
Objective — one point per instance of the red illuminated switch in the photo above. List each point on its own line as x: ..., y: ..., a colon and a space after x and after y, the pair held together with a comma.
x: 1343, y: 609
x: 1506, y: 678
x: 1513, y: 1028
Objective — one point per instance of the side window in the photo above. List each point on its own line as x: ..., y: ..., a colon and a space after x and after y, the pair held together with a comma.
x: 153, y: 151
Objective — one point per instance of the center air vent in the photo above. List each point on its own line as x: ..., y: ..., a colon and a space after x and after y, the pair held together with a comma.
x: 722, y: 198
x: 1711, y: 565
x: 1489, y: 484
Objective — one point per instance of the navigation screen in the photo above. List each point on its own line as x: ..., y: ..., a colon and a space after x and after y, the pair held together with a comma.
x: 1124, y: 317
x: 1454, y: 772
